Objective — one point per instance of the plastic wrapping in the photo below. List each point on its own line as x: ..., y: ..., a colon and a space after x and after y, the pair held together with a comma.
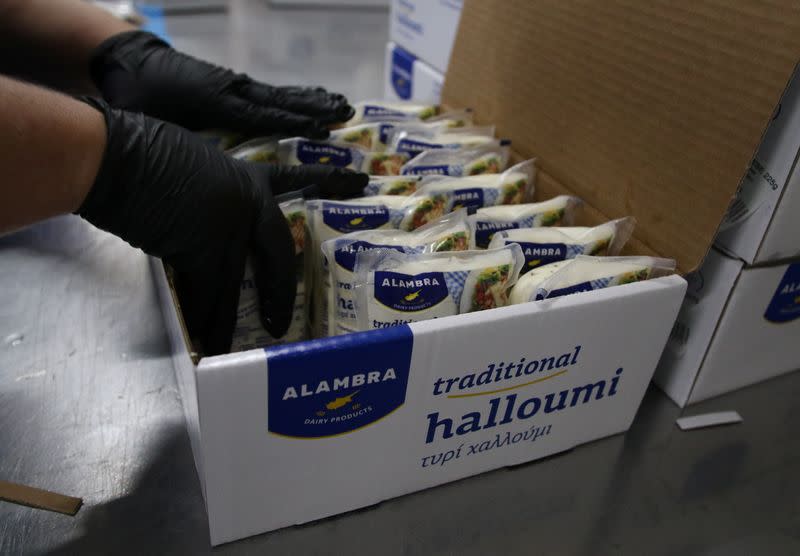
x: 376, y: 136
x: 331, y: 219
x: 558, y: 211
x: 464, y: 162
x: 449, y: 233
x: 296, y: 151
x: 416, y: 140
x: 542, y: 246
x: 249, y: 332
x: 223, y: 140
x: 439, y: 195
x: 260, y: 149
x: 394, y: 288
x: 377, y: 110
x: 585, y: 273
x: 392, y: 185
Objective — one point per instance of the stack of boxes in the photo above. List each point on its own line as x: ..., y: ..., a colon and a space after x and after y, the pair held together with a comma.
x: 740, y: 322
x: 421, y: 35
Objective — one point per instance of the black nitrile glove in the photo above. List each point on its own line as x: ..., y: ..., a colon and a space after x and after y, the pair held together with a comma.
x: 162, y: 189
x: 138, y: 71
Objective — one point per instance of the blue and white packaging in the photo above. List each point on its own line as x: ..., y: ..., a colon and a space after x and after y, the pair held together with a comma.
x: 457, y: 163
x: 296, y: 151
x: 427, y: 28
x: 393, y: 288
x: 415, y: 141
x: 544, y: 245
x: 487, y: 221
x: 449, y: 233
x: 738, y: 326
x: 389, y: 111
x: 288, y: 435
x: 407, y: 78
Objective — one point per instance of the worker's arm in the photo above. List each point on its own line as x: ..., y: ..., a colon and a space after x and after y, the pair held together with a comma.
x: 50, y: 149
x: 61, y: 42
x: 161, y: 189
x: 51, y: 41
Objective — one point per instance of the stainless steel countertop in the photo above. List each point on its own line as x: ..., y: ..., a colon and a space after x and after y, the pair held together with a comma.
x: 89, y: 407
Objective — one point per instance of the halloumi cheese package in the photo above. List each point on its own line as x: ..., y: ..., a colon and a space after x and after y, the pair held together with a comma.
x: 585, y: 273
x: 392, y: 185
x: 376, y: 136
x: 558, y: 211
x: 416, y: 140
x: 394, y: 288
x: 542, y: 246
x: 249, y: 332
x: 439, y: 195
x: 490, y: 159
x: 260, y: 149
x: 296, y: 151
x: 373, y: 111
x: 331, y: 219
x: 449, y: 233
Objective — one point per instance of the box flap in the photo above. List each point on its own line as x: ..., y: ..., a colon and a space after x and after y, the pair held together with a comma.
x: 649, y: 109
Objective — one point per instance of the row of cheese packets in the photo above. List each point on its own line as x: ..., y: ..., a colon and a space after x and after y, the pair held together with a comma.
x: 450, y: 231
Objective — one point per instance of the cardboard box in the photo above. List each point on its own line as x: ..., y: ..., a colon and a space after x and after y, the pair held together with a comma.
x: 427, y: 28
x: 618, y: 104
x: 738, y: 325
x: 407, y: 78
x: 762, y: 223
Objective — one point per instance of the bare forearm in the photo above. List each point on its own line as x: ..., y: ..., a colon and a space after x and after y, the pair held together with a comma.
x: 51, y: 147
x: 50, y: 41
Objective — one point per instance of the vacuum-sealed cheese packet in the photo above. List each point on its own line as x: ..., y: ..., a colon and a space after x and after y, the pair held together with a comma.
x: 331, y: 219
x: 558, y: 211
x: 396, y: 288
x: 543, y: 246
x: 414, y: 141
x: 392, y: 185
x: 249, y: 332
x: 490, y: 159
x: 449, y: 233
x: 373, y: 111
x: 260, y: 149
x: 376, y: 136
x: 585, y: 273
x: 439, y: 195
x: 296, y: 150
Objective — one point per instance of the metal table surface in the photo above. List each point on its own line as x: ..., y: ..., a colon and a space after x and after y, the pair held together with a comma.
x: 89, y: 407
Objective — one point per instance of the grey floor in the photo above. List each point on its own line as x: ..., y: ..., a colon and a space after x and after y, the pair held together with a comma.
x: 89, y: 405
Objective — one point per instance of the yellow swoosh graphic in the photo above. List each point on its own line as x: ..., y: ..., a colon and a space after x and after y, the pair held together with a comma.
x: 509, y: 388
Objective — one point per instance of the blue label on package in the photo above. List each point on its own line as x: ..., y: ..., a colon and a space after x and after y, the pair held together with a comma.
x: 410, y: 293
x: 337, y: 385
x: 383, y: 132
x: 432, y: 170
x: 785, y: 303
x: 485, y: 230
x: 372, y: 112
x: 413, y: 146
x: 402, y: 73
x: 346, y: 255
x: 472, y: 198
x: 538, y: 254
x: 309, y: 152
x: 591, y: 285
x: 352, y: 218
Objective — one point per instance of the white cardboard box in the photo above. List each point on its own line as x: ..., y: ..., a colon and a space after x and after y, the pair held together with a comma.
x: 738, y: 326
x: 762, y: 224
x: 407, y: 78
x: 292, y: 434
x: 427, y: 28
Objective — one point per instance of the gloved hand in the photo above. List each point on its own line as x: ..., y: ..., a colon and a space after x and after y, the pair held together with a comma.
x: 138, y: 71
x: 165, y: 191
